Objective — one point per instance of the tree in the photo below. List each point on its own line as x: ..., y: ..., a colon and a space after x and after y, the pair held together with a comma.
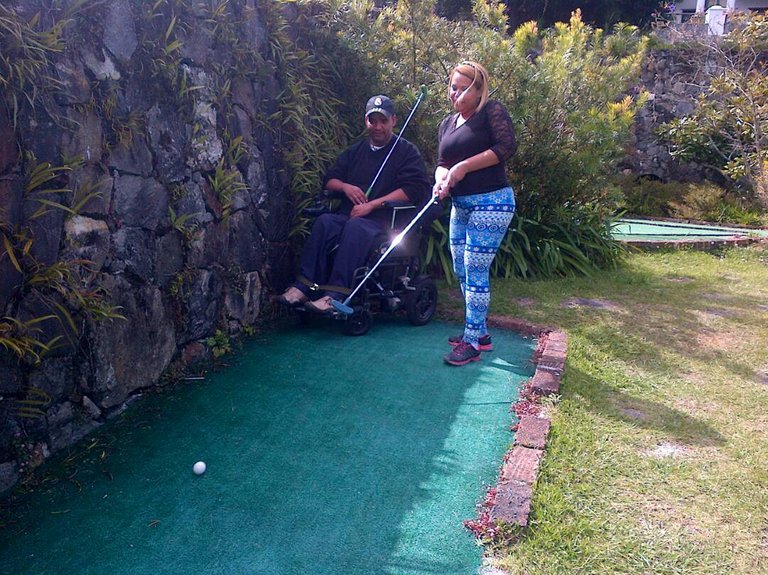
x: 600, y: 13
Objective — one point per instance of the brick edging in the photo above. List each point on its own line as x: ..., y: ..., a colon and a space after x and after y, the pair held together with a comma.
x: 509, y: 501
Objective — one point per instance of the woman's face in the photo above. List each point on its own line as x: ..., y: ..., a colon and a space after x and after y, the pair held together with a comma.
x: 463, y: 102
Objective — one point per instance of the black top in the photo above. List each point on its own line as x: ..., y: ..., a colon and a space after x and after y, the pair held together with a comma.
x: 491, y: 128
x: 359, y: 164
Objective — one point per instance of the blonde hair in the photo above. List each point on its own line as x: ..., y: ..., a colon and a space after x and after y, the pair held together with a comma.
x: 479, y: 76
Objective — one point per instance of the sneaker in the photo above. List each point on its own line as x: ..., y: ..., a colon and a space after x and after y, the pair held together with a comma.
x: 462, y: 354
x: 484, y: 343
x: 292, y: 296
x: 322, y: 305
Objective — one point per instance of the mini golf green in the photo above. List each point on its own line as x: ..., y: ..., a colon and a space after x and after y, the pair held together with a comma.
x: 644, y: 230
x: 326, y: 455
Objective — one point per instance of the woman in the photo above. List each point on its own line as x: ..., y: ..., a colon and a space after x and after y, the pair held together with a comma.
x: 473, y: 145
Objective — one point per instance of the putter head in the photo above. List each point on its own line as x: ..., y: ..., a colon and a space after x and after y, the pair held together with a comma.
x: 342, y: 307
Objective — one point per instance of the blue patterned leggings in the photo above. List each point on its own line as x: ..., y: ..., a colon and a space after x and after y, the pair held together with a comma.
x: 478, y: 225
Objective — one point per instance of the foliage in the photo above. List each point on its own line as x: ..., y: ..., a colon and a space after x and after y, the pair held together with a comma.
x: 572, y: 115
x: 314, y: 119
x: 64, y: 287
x: 566, y: 90
x: 602, y: 13
x: 728, y: 129
x: 708, y: 202
x: 220, y: 343
x: 185, y: 224
x: 162, y: 42
x: 34, y: 403
x: 577, y: 242
x: 22, y: 338
x: 688, y: 200
x: 227, y: 181
x: 647, y: 196
x: 25, y: 67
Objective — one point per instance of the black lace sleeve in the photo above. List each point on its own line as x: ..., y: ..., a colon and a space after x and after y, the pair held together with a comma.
x: 502, y: 130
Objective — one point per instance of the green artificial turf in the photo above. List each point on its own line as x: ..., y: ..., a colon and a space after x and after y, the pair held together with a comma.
x: 326, y: 454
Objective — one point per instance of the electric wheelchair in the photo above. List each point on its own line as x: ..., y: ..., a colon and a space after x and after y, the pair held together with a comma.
x: 397, y: 285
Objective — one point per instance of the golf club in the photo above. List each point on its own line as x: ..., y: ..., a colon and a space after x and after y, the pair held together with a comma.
x: 419, y: 99
x: 344, y: 306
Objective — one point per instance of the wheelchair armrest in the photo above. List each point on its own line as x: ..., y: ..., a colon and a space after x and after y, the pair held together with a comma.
x: 331, y: 194
x: 400, y: 212
x: 316, y: 210
x: 398, y: 204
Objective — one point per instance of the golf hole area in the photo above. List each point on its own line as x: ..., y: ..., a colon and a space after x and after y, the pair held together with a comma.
x: 325, y: 455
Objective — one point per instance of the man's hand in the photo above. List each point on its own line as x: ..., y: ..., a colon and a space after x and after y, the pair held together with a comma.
x: 362, y: 210
x: 355, y: 194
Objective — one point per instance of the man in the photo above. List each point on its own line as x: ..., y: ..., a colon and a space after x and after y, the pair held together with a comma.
x: 361, y: 222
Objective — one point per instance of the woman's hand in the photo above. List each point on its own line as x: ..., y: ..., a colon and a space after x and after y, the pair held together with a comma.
x: 440, y: 190
x: 455, y: 175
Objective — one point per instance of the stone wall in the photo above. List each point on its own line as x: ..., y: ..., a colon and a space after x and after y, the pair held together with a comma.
x: 674, y: 85
x: 150, y: 103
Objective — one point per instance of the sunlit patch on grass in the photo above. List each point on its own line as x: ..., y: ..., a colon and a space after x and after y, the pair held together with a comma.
x: 666, y: 450
x: 589, y: 302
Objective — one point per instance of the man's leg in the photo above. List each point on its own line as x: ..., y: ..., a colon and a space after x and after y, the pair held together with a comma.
x: 358, y: 239
x: 315, y: 256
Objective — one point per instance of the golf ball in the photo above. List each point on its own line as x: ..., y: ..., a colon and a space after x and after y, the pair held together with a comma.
x: 199, y: 468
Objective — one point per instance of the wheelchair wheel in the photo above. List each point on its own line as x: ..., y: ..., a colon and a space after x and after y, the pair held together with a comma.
x: 358, y: 323
x: 421, y: 303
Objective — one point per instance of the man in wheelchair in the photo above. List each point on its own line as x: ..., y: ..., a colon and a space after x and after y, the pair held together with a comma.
x: 367, y: 176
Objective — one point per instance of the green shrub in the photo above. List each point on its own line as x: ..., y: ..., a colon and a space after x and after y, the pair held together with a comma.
x: 692, y: 201
x: 710, y: 203
x: 565, y: 89
x: 648, y: 197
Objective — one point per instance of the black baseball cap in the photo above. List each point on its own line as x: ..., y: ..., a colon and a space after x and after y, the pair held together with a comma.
x: 381, y: 104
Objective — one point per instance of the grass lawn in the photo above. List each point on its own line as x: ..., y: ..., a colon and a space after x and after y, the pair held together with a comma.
x: 657, y: 461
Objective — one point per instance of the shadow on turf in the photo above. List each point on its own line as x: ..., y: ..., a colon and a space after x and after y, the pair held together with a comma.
x: 642, y: 413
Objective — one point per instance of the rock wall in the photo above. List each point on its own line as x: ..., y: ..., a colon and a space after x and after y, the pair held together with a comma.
x: 674, y: 85
x: 183, y: 206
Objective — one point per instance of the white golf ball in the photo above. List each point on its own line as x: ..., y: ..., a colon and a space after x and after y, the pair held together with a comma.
x: 199, y: 468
